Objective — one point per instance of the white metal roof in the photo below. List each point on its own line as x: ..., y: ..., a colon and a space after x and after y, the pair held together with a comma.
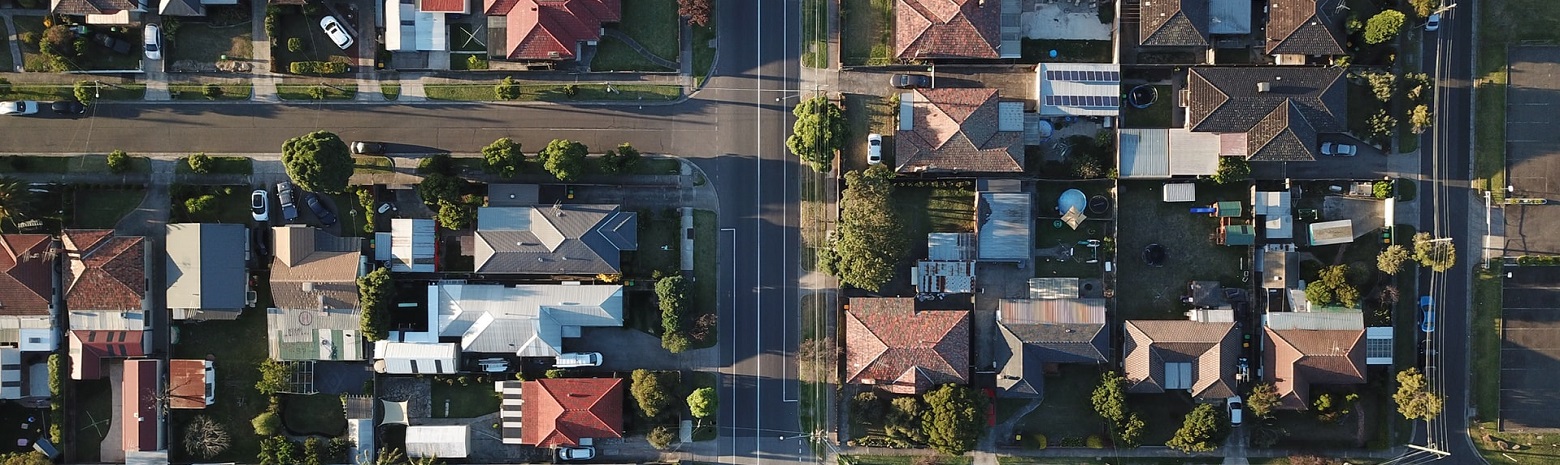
x: 907, y: 111
x: 10, y: 373
x: 1010, y: 116
x: 1275, y: 206
x: 950, y: 246
x: 415, y: 358
x: 1180, y: 192
x: 1078, y: 89
x: 412, y: 245
x: 1193, y: 153
x: 442, y: 441
x: 1332, y: 232
x: 527, y: 320
x: 1053, y: 288
x: 361, y: 432
x: 1378, y: 345
x: 1156, y: 153
x: 1316, y: 320
x: 410, y: 30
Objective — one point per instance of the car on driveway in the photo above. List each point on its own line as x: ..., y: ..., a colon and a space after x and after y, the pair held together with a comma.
x: 576, y: 452
x: 578, y: 359
x: 1236, y: 411
x: 364, y: 147
x: 284, y: 192
x: 1334, y: 149
x: 152, y: 42
x: 337, y: 33
x: 313, y: 201
x: 874, y: 149
x: 18, y: 107
x: 260, y: 206
x: 68, y: 107
x: 910, y: 81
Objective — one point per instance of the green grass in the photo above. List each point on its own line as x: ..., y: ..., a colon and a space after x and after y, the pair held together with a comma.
x: 871, y: 26
x: 76, y: 164
x: 320, y: 414
x: 867, y: 114
x: 350, y: 214
x: 301, y: 91
x: 1537, y: 448
x: 45, y: 92
x: 1155, y: 116
x: 1486, y: 343
x: 705, y: 431
x: 929, y: 458
x: 205, y: 43
x: 1162, y: 414
x: 236, y: 91
x: 555, y: 92
x: 391, y: 90
x: 615, y: 55
x: 1405, y: 189
x: 32, y: 60
x: 92, y: 406
x: 101, y: 58
x: 102, y: 209
x: 703, y: 50
x: 705, y: 254
x: 1362, y: 106
x: 6, y: 64
x: 809, y: 400
x: 237, y: 347
x: 219, y: 165
x: 232, y: 204
x: 654, y: 24
x: 935, y: 209
x: 468, y: 401
x: 815, y: 50
x: 1067, y: 412
x: 316, y: 45
x: 657, y: 229
x: 1191, y: 253
x: 1067, y: 51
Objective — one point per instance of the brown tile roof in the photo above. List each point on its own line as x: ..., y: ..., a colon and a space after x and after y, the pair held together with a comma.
x: 1173, y: 23
x: 1209, y: 348
x: 139, y: 418
x: 947, y: 29
x: 560, y: 412
x: 955, y: 129
x: 1280, y: 123
x: 187, y: 384
x: 894, y: 347
x: 536, y: 29
x: 1304, y: 27
x: 314, y: 269
x: 90, y: 7
x: 25, y: 285
x: 89, y: 348
x: 105, y: 272
x: 1299, y: 358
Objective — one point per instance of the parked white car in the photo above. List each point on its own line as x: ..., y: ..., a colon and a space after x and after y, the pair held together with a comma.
x: 19, y: 107
x: 578, y: 359
x: 337, y: 33
x: 260, y: 206
x: 576, y: 453
x: 1236, y: 411
x: 874, y: 149
x: 152, y: 42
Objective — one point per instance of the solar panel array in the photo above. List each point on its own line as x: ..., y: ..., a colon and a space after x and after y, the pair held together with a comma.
x: 1083, y: 76
x: 1083, y: 101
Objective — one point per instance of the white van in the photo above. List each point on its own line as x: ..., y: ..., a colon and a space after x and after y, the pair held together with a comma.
x: 578, y: 359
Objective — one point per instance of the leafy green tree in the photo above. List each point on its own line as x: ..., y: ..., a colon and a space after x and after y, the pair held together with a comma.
x: 1332, y: 287
x: 952, y: 419
x: 1263, y: 400
x: 1130, y: 434
x: 1423, y: 8
x: 199, y: 162
x: 867, y: 407
x: 1391, y: 259
x: 201, y: 207
x: 458, y: 214
x: 502, y: 157
x: 267, y: 424
x: 1196, y: 433
x: 1232, y: 169
x: 871, y: 238
x: 1420, y: 118
x: 1413, y: 396
x: 1437, y: 254
x: 1382, y: 84
x: 1110, y: 398
x: 703, y: 403
x: 661, y: 438
x: 1384, y: 26
x: 85, y: 92
x: 565, y: 159
x: 375, y: 292
x: 274, y: 377
x: 819, y: 132
x: 439, y: 186
x: 313, y: 451
x: 651, y: 391
x: 118, y: 161
x: 318, y: 162
x: 621, y: 160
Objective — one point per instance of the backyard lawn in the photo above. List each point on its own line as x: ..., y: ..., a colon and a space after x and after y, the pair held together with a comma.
x: 1067, y: 414
x: 1156, y: 115
x: 92, y: 408
x: 871, y: 26
x: 102, y: 209
x: 459, y: 400
x: 316, y: 414
x: 237, y: 400
x: 1048, y: 234
x: 1188, y: 242
x: 205, y: 43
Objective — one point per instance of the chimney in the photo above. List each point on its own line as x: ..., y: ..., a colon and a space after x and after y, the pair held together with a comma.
x: 308, y: 287
x: 1264, y: 87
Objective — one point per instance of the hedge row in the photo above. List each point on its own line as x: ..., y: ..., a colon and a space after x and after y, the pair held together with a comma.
x: 317, y: 67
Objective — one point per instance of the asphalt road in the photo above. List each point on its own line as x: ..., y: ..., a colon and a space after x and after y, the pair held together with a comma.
x: 1446, y: 164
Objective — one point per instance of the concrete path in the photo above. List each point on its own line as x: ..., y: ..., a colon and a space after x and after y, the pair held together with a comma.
x: 157, y: 86
x: 15, y: 42
x: 412, y: 90
x: 369, y: 90
x: 640, y: 49
x: 112, y: 448
x: 265, y: 90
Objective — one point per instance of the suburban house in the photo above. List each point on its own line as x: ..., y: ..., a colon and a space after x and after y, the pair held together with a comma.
x: 141, y: 414
x: 524, y: 320
x: 959, y: 130
x: 90, y: 350
x: 189, y: 7
x: 891, y: 345
x: 1044, y: 331
x: 956, y: 29
x: 419, y: 25
x: 1267, y: 113
x: 100, y: 12
x: 1301, y: 349
x: 104, y: 272
x: 546, y: 30
x: 207, y: 279
x: 572, y: 239
x: 568, y: 411
x: 1191, y: 23
x: 440, y: 441
x: 27, y: 291
x: 949, y: 266
x: 314, y: 289
x: 191, y: 384
x: 1297, y: 29
x: 412, y: 358
x: 1179, y: 355
x: 409, y: 246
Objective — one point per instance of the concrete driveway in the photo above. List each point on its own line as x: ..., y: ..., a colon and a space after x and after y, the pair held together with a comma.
x: 1371, y: 163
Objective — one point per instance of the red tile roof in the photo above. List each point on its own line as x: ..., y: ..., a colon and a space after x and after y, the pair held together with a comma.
x: 187, y: 384
x: 538, y: 28
x: 955, y: 129
x: 89, y: 348
x: 894, y: 347
x: 25, y: 285
x: 138, y: 400
x: 562, y: 411
x: 947, y: 29
x: 106, y: 272
x: 1301, y: 357
x: 442, y: 6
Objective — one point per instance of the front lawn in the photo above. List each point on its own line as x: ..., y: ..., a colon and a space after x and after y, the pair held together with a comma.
x: 316, y: 414
x: 1162, y: 414
x: 219, y: 165
x: 871, y: 26
x: 1067, y: 414
x: 310, y: 91
x: 316, y: 46
x: 1361, y: 107
x: 615, y: 55
x: 206, y: 43
x: 102, y: 208
x: 462, y: 397
x: 703, y: 50
x: 349, y: 214
x: 232, y: 204
x: 236, y: 347
x: 654, y: 24
x: 1485, y: 326
x: 32, y: 59
x: 867, y: 114
x: 705, y: 253
x: 659, y: 244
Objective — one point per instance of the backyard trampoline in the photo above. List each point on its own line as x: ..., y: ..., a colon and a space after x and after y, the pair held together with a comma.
x: 1142, y: 96
x: 1154, y: 255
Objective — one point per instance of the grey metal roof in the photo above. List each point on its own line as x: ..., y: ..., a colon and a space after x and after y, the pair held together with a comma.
x: 182, y: 8
x: 1347, y: 320
x: 1280, y: 109
x: 1003, y: 226
x: 566, y: 239
x: 205, y: 266
x: 1229, y: 17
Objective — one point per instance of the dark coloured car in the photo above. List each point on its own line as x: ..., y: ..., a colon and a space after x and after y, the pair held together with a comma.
x: 284, y: 192
x: 368, y: 148
x: 910, y: 81
x: 262, y: 238
x: 313, y: 201
x: 68, y: 107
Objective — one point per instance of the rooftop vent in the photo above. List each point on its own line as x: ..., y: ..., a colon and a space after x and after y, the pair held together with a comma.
x: 1264, y: 87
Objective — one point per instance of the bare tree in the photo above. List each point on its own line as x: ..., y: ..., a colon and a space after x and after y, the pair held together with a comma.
x: 205, y: 438
x: 819, y: 360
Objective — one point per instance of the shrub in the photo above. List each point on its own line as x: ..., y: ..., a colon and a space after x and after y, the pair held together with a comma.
x: 118, y: 161
x: 58, y: 40
x: 212, y: 91
x: 661, y: 437
x: 270, y: 26
x: 317, y: 67
x: 1420, y: 118
x: 201, y: 206
x: 1382, y: 189
x: 476, y: 62
x: 1095, y: 442
x: 317, y: 92
x: 266, y: 424
x: 437, y: 164
x: 80, y: 46
x: 1384, y: 26
x: 29, y: 38
x: 295, y: 45
x: 85, y: 91
x: 507, y: 89
x: 571, y: 90
x: 867, y: 407
x: 199, y: 163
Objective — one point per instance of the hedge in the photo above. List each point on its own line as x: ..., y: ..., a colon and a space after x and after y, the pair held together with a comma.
x: 317, y: 67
